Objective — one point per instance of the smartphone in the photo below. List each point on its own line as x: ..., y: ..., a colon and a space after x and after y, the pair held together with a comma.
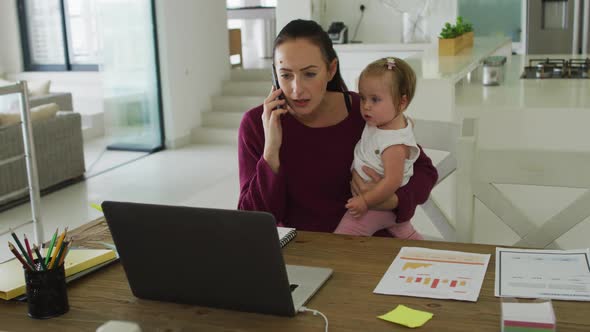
x: 275, y: 81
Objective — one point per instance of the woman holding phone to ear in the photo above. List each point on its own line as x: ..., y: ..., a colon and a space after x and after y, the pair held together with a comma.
x: 295, y: 153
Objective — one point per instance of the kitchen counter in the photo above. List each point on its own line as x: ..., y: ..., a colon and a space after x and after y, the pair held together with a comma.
x: 538, y: 122
x: 515, y: 92
x: 438, y: 76
x: 429, y: 65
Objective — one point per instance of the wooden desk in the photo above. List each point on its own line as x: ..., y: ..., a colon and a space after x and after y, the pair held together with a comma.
x: 347, y: 298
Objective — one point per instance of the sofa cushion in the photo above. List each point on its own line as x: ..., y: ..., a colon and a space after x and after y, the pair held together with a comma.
x: 5, y: 82
x: 38, y: 88
x: 37, y: 113
x: 11, y: 102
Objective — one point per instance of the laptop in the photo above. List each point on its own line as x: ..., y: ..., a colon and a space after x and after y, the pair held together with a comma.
x: 209, y: 257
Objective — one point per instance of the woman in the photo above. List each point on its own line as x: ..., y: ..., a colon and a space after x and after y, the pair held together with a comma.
x: 294, y: 161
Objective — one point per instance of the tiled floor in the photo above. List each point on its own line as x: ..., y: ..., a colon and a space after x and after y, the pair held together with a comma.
x: 195, y: 176
x: 98, y: 159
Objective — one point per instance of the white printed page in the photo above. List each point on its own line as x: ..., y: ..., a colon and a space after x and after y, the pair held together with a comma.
x: 440, y: 274
x: 553, y: 274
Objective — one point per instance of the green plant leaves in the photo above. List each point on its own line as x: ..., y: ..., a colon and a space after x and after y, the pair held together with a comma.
x: 453, y: 31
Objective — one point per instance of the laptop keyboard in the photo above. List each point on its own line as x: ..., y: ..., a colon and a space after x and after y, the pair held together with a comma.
x: 292, y: 287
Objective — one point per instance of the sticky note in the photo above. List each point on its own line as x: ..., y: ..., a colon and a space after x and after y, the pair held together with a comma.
x: 407, y: 317
x: 96, y: 206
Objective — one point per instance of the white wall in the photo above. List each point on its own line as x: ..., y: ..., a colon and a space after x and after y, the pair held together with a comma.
x: 193, y: 45
x: 10, y: 47
x: 380, y: 23
x: 288, y: 10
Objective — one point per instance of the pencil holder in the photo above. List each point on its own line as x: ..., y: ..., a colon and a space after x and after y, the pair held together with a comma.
x: 47, y: 295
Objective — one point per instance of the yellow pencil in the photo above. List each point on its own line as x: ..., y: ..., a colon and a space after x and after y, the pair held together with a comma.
x: 66, y: 251
x: 57, y: 248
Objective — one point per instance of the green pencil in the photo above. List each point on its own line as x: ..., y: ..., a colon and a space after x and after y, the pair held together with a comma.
x: 51, y: 244
x: 20, y: 246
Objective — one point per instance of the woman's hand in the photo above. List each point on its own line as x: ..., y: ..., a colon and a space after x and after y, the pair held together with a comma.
x: 273, y: 133
x: 359, y: 186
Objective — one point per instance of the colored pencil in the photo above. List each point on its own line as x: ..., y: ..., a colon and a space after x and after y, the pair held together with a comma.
x: 19, y: 257
x: 20, y: 246
x: 51, y: 244
x: 58, y: 247
x: 40, y: 258
x: 62, y: 259
x: 58, y: 255
x: 28, y: 246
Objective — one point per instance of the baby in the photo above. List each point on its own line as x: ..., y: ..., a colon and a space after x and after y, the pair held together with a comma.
x: 387, y: 145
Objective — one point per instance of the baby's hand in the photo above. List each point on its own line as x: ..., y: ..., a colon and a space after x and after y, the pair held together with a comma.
x: 357, y: 206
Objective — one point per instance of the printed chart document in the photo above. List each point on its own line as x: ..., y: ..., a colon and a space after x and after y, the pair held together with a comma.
x: 438, y: 274
x: 554, y: 274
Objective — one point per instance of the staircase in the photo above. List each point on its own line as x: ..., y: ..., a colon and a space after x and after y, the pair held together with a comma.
x: 246, y: 88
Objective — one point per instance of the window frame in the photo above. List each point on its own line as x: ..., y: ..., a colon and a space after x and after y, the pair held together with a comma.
x: 24, y: 34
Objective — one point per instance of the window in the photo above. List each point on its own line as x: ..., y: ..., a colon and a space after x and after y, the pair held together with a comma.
x: 59, y: 34
x: 81, y: 25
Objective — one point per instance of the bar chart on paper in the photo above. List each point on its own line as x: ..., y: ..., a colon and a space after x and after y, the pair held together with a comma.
x: 435, y: 273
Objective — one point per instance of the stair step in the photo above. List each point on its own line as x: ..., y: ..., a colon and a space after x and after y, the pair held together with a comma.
x: 222, y: 119
x: 239, y: 74
x: 246, y: 88
x: 235, y: 103
x: 208, y: 135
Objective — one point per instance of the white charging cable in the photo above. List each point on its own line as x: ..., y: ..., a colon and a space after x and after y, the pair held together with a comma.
x: 315, y: 313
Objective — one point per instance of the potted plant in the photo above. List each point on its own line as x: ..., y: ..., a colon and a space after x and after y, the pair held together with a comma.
x: 469, y: 34
x: 454, y: 38
x: 466, y: 29
x: 448, y: 41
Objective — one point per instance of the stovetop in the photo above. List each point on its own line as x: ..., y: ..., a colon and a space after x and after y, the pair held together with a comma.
x: 557, y: 68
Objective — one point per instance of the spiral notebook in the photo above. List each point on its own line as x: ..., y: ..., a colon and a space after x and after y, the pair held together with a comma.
x: 286, y: 234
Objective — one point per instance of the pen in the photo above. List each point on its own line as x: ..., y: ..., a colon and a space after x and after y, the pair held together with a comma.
x: 18, y: 256
x: 20, y: 246
x: 58, y: 247
x: 40, y: 258
x: 51, y: 244
x: 29, y: 252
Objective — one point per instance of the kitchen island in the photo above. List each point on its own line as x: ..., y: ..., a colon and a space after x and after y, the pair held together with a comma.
x: 436, y: 75
x: 516, y: 93
x: 540, y: 123
x: 439, y: 76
